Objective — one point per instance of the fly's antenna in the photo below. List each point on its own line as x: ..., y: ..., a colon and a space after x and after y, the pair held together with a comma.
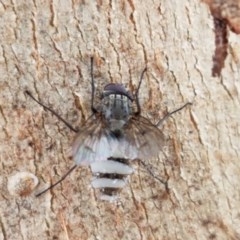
x: 94, y: 110
x: 171, y: 113
x: 138, y: 112
x: 52, y: 111
x: 59, y: 181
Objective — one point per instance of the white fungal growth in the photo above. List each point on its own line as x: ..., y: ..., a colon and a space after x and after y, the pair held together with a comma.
x: 22, y: 184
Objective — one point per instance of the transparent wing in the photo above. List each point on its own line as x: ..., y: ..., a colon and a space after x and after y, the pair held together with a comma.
x: 143, y: 137
x: 93, y: 143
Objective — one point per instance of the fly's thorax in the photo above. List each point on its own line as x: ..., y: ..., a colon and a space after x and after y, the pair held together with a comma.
x: 116, y: 109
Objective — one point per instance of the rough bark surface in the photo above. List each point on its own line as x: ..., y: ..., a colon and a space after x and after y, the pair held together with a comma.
x: 46, y: 47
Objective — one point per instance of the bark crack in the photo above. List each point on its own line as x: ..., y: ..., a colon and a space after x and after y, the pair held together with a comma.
x: 226, y: 89
x: 53, y: 15
x: 3, y: 229
x: 58, y: 50
x: 34, y: 33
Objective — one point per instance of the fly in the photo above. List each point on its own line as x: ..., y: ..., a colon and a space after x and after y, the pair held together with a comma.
x: 112, y: 138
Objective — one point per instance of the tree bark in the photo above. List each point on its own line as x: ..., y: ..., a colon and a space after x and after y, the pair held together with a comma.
x: 46, y: 48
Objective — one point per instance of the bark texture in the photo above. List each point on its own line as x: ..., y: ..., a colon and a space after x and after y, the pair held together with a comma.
x: 46, y: 48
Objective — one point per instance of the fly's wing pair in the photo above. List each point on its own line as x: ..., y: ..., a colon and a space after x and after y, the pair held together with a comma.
x: 95, y: 142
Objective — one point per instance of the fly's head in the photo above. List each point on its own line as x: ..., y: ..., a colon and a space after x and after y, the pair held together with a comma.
x: 116, y: 105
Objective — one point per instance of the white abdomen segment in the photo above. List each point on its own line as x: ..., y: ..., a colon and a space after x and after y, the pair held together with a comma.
x: 111, y: 166
x: 110, y: 177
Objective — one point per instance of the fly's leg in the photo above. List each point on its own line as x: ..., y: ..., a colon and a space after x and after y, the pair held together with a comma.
x: 94, y: 110
x: 59, y: 181
x: 57, y: 115
x: 53, y: 112
x: 138, y: 112
x: 146, y: 166
x: 149, y: 170
x: 68, y: 125
x: 171, y: 113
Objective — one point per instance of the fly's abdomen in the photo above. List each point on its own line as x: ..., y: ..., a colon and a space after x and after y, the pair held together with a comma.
x: 110, y: 177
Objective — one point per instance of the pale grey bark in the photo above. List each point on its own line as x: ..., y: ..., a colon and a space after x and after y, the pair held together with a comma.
x: 46, y: 48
